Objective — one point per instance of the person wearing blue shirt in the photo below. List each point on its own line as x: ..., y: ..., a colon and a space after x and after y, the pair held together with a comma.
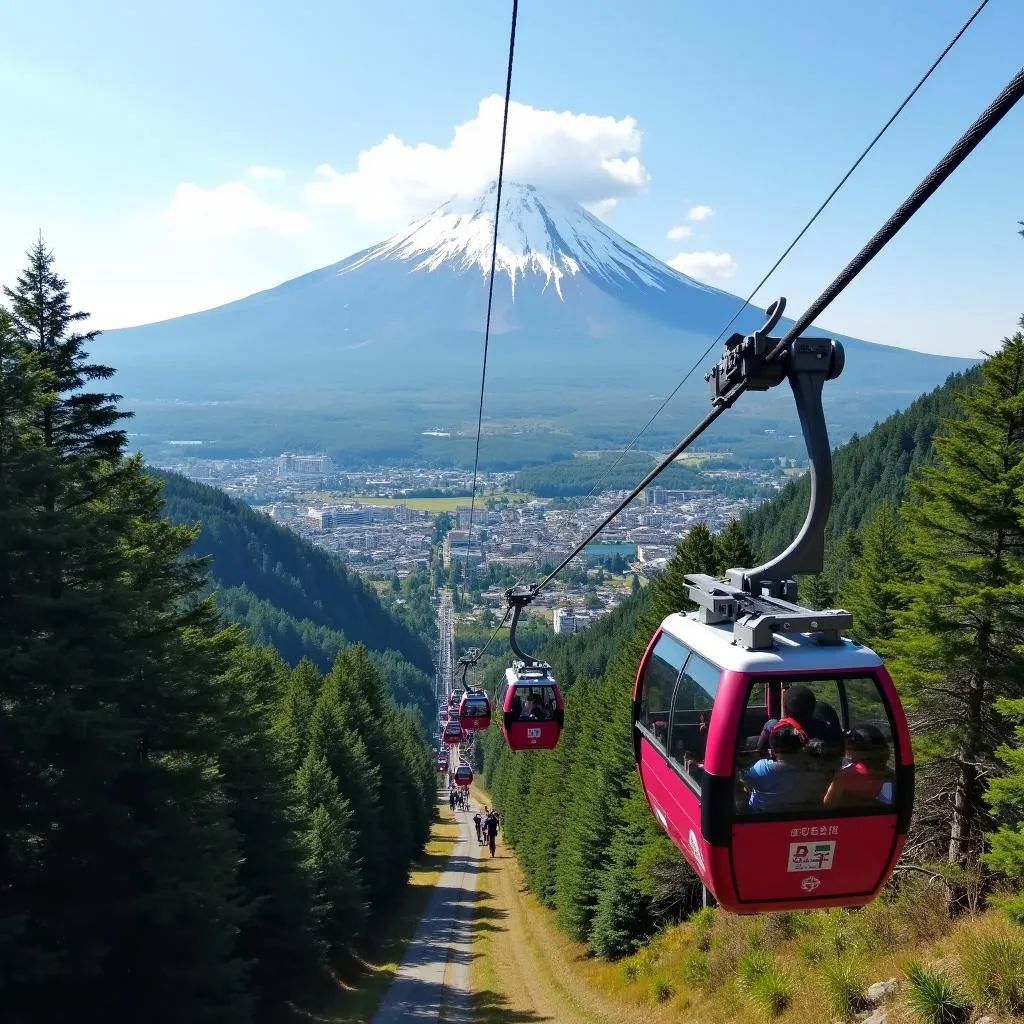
x: 784, y: 780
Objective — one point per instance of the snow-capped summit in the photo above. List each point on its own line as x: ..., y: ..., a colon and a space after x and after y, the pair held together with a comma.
x: 537, y: 234
x: 574, y: 301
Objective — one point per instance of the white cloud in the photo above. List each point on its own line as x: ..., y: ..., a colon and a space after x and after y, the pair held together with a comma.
x: 583, y: 157
x: 224, y: 211
x: 704, y: 265
x: 700, y: 213
x: 679, y: 232
x: 262, y: 173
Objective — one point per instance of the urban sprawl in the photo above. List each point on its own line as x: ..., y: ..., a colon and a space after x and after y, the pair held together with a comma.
x: 379, y: 523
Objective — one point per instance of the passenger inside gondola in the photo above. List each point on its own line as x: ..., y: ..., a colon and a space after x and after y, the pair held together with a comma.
x: 801, y: 709
x: 783, y: 780
x: 529, y: 704
x: 864, y: 777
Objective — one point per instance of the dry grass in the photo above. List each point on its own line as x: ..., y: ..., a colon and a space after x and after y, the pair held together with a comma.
x: 718, y: 969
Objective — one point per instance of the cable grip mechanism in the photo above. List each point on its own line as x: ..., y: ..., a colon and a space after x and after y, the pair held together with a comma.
x: 466, y: 662
x: 747, y: 364
x: 517, y: 598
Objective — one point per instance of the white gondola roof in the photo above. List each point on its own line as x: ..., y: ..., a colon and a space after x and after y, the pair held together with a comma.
x: 798, y: 652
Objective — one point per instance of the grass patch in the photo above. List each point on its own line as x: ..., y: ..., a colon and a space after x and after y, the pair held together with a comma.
x: 359, y: 983
x: 994, y: 971
x: 935, y: 997
x: 845, y: 984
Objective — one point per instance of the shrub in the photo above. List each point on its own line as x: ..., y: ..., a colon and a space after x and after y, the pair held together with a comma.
x: 752, y: 966
x: 844, y: 987
x: 782, y: 927
x: 661, y: 990
x: 703, y: 922
x: 630, y: 970
x: 934, y: 997
x: 697, y: 970
x: 772, y: 992
x: 994, y: 971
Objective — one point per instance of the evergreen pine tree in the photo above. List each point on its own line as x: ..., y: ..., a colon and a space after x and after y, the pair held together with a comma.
x: 1005, y: 796
x: 72, y: 419
x: 874, y: 591
x: 816, y: 591
x: 622, y: 914
x: 733, y: 549
x: 278, y: 936
x: 332, y: 856
x: 957, y: 649
x: 117, y: 840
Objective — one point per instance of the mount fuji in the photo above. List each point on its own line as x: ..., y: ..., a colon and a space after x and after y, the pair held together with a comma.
x: 575, y: 305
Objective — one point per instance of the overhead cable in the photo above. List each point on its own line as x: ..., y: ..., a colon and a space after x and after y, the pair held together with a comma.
x: 964, y: 146
x: 789, y: 248
x: 494, y: 259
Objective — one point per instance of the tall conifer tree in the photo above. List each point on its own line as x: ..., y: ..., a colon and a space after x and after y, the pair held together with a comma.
x: 957, y: 646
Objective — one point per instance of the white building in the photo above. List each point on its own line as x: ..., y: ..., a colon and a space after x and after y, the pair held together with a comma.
x: 291, y: 465
x: 565, y: 620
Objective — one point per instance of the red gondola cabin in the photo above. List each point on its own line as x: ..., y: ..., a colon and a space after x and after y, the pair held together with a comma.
x: 532, y: 709
x: 442, y: 760
x: 475, y: 711
x: 452, y: 732
x: 823, y: 830
x: 463, y: 775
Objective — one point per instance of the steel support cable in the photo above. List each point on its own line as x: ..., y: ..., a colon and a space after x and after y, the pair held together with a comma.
x: 792, y: 245
x: 964, y: 146
x: 935, y: 178
x: 508, y: 611
x: 494, y: 260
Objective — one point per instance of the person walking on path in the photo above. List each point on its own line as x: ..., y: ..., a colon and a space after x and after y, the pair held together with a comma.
x: 477, y: 821
x: 491, y: 828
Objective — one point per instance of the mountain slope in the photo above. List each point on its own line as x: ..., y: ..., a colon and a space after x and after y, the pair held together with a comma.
x: 289, y: 592
x: 576, y: 306
x: 867, y: 471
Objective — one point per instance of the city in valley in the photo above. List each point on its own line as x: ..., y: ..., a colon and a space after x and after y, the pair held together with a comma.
x: 387, y: 522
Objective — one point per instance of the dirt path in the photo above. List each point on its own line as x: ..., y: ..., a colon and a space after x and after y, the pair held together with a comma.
x: 523, y: 969
x: 434, y: 974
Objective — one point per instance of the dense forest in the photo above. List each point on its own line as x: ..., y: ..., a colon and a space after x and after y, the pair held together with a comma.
x: 927, y: 551
x: 582, y: 476
x: 192, y: 830
x: 299, y: 599
x: 868, y: 470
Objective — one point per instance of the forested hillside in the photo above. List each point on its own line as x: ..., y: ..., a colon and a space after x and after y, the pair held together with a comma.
x: 931, y: 533
x: 580, y: 476
x: 291, y: 594
x: 867, y: 470
x: 191, y: 829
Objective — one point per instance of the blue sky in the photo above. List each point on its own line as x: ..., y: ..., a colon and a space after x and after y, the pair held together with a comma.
x: 132, y: 132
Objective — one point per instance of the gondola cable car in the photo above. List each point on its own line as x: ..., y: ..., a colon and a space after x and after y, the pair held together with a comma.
x: 475, y: 706
x: 774, y: 751
x: 452, y: 732
x: 532, y: 711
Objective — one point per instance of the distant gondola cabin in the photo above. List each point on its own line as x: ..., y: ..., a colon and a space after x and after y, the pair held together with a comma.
x: 475, y: 711
x: 452, y: 733
x: 532, y: 709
